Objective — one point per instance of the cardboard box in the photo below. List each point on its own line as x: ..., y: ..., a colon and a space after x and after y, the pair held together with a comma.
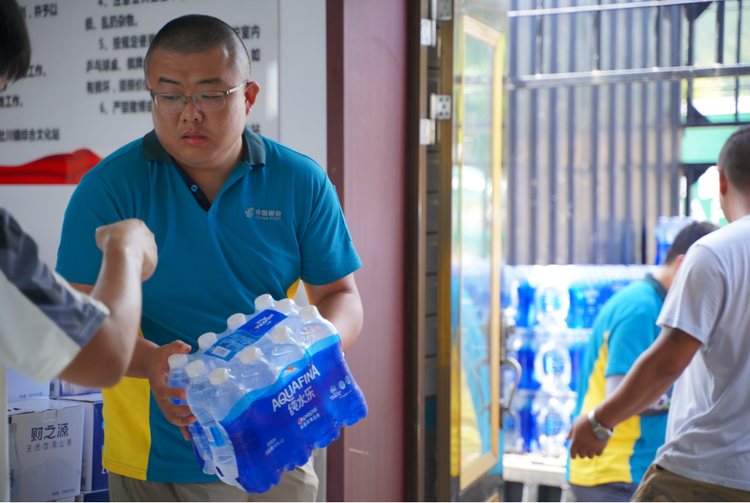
x: 59, y: 388
x: 46, y: 449
x: 93, y: 475
x: 21, y: 388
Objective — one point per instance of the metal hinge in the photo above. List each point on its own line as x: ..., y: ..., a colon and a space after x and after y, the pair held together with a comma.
x: 426, y: 132
x: 443, y: 10
x: 428, y: 32
x: 440, y: 107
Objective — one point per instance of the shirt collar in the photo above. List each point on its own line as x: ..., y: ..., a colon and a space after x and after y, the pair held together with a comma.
x: 657, y: 286
x: 253, y: 150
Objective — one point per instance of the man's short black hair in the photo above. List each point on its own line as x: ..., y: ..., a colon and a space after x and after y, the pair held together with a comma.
x: 734, y: 159
x: 686, y: 237
x: 15, y: 46
x: 197, y: 33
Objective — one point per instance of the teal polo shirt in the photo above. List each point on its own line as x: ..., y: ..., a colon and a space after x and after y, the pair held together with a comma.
x: 624, y: 329
x: 276, y: 220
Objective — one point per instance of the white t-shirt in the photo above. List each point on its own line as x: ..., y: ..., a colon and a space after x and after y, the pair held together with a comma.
x: 708, y: 431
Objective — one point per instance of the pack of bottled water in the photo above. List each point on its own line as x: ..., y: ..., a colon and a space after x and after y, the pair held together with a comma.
x: 267, y: 391
x: 553, y: 309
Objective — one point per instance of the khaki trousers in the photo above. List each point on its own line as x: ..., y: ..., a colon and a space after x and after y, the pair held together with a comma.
x: 300, y: 484
x: 659, y: 484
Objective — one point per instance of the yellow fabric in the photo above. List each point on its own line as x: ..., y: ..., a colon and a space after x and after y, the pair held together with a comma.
x: 614, y: 463
x: 127, y: 432
x: 471, y: 440
x: 292, y: 290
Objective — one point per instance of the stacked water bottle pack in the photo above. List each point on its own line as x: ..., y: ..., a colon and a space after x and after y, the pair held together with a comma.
x: 266, y: 391
x: 554, y: 308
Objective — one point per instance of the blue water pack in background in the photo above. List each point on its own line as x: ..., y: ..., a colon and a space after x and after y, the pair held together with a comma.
x: 553, y: 308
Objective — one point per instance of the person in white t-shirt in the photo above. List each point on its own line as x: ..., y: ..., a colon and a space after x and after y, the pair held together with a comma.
x: 705, y: 347
x: 47, y: 328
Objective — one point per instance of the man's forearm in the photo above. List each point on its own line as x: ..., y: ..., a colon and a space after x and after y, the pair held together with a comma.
x: 653, y: 373
x: 642, y: 386
x: 344, y: 310
x: 107, y: 356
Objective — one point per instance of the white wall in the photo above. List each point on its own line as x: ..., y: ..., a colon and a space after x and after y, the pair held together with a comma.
x: 301, y: 95
x: 302, y: 83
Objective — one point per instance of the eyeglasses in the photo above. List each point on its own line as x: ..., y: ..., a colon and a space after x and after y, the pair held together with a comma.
x: 206, y: 101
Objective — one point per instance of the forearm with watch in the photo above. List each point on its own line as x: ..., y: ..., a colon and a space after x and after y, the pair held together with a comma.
x: 645, y: 383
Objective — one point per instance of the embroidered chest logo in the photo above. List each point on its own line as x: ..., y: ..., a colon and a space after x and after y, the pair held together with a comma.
x: 259, y: 214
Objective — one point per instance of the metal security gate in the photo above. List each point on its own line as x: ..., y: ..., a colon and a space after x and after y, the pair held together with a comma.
x: 595, y: 112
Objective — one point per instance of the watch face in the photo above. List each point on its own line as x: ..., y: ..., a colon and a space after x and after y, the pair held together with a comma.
x: 601, y: 434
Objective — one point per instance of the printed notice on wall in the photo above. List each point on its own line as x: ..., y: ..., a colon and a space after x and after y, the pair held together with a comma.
x: 85, y: 94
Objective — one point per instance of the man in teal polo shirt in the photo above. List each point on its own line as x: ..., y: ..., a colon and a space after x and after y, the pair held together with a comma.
x: 235, y: 215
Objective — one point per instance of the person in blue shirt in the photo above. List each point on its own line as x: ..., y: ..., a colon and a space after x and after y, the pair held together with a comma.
x: 235, y: 216
x: 625, y: 328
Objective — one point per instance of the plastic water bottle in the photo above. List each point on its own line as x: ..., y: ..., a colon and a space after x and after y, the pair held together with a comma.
x: 526, y: 357
x: 314, y: 327
x: 256, y: 472
x: 286, y: 349
x: 234, y: 322
x: 529, y: 440
x: 177, y: 376
x: 205, y: 341
x: 254, y: 371
x: 264, y: 302
x: 553, y: 424
x: 525, y: 316
x: 199, y: 399
x: 287, y: 307
x: 552, y: 303
x: 201, y: 446
x: 578, y: 341
x: 553, y: 368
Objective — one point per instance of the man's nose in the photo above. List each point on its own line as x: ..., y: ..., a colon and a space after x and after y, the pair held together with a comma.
x: 191, y: 112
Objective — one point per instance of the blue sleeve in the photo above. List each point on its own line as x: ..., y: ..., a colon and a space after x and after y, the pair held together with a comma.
x: 92, y: 205
x: 631, y: 337
x: 326, y: 248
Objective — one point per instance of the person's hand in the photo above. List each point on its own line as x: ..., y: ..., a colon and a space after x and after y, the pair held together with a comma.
x: 583, y: 442
x: 130, y: 234
x: 158, y: 375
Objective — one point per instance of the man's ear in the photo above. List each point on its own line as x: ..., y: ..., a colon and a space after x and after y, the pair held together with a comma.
x: 723, y: 182
x: 678, y: 260
x: 251, y: 94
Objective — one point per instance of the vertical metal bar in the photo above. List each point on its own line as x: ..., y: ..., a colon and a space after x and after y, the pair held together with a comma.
x: 595, y: 141
x: 657, y: 28
x: 675, y: 119
x: 595, y: 174
x: 659, y: 146
x: 644, y: 143
x: 598, y: 38
x: 690, y: 56
x: 628, y: 248
x: 553, y: 142
x: 720, y: 33
x: 612, y: 231
x: 533, y: 120
x: 739, y: 45
x: 512, y: 141
x: 571, y: 139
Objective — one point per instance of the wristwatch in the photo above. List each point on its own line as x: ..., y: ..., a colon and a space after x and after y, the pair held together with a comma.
x: 601, y: 432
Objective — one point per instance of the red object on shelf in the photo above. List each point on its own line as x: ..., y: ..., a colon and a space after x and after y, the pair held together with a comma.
x: 52, y: 170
